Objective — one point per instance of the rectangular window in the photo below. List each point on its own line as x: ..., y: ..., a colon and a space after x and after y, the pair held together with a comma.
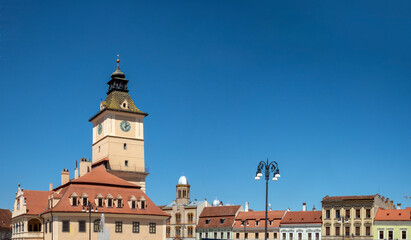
x: 368, y: 213
x: 143, y: 204
x: 347, y: 231
x: 256, y: 235
x: 221, y: 235
x: 152, y: 228
x: 337, y: 231
x: 109, y: 202
x: 357, y: 213
x: 257, y: 223
x: 403, y: 234
x: 327, y: 213
x: 51, y: 226
x: 291, y: 236
x: 168, y: 230
x: 133, y: 204
x: 275, y: 235
x: 390, y: 235
x: 317, y: 236
x: 357, y: 231
x: 347, y: 213
x: 74, y: 201
x: 82, y: 226
x: 45, y: 226
x: 337, y: 213
x: 237, y: 235
x: 381, y: 234
x: 327, y: 231
x: 66, y: 226
x: 367, y: 231
x: 245, y: 235
x: 300, y: 236
x: 284, y: 236
x: 309, y: 236
x: 100, y: 202
x: 119, y: 227
x: 268, y: 234
x: 119, y: 203
x: 190, y: 232
x: 84, y: 202
x: 136, y: 228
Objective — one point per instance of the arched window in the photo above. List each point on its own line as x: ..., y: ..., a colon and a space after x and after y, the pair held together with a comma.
x: 97, y: 225
x: 34, y: 225
x: 125, y: 146
x: 179, y: 193
x: 178, y: 217
x: 190, y: 231
x: 168, y: 232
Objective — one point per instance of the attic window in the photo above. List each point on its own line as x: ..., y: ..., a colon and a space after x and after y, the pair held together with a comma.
x: 110, y: 202
x: 222, y: 220
x: 85, y: 201
x: 119, y: 203
x: 124, y: 104
x: 270, y: 222
x: 257, y: 223
x: 133, y: 204
x: 74, y: 201
x: 143, y: 204
x: 207, y: 221
x: 100, y: 202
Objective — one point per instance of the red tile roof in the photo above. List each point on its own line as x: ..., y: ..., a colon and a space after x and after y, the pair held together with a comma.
x: 302, y: 217
x: 213, y: 216
x: 5, y: 218
x: 36, y: 201
x: 393, y: 214
x: 97, y: 182
x: 342, y: 198
x: 99, y: 176
x: 259, y: 216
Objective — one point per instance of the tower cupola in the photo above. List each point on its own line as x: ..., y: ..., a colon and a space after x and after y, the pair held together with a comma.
x: 118, y: 81
x: 182, y: 191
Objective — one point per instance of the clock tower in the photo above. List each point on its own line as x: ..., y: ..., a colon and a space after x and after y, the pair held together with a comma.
x: 118, y: 140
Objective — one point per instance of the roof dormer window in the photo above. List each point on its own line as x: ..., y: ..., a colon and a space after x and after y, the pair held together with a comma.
x: 207, y: 221
x: 222, y: 220
x: 124, y: 104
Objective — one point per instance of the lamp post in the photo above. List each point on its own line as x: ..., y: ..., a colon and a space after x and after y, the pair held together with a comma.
x: 343, y: 219
x: 89, y: 208
x: 267, y: 168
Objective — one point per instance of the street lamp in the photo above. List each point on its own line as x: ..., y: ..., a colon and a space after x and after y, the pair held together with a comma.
x: 343, y: 219
x: 91, y: 207
x: 267, y: 168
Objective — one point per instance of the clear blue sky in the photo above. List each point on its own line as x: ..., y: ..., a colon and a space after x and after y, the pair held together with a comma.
x: 323, y: 88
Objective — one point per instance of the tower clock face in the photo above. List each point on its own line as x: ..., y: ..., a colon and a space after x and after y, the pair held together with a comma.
x: 125, y: 126
x: 99, y: 129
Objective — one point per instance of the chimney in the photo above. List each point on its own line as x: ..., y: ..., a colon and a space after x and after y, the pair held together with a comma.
x: 85, y: 166
x: 76, y: 171
x: 65, y: 176
x: 304, y: 206
x: 246, y: 207
x: 313, y: 207
x: 50, y: 186
x: 398, y: 205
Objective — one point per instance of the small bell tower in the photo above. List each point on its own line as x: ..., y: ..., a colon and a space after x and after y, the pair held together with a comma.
x: 182, y: 191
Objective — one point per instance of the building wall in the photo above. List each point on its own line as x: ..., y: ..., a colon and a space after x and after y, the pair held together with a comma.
x: 249, y: 233
x: 215, y: 233
x: 332, y: 222
x: 292, y: 231
x: 110, y: 223
x: 395, y: 226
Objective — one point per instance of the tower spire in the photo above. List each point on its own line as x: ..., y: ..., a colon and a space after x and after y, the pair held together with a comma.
x: 118, y: 81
